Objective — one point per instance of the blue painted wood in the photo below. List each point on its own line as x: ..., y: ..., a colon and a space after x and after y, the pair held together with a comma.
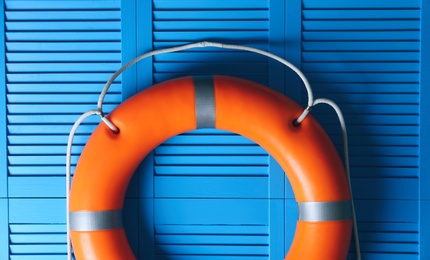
x: 211, y: 211
x: 379, y: 85
x: 365, y: 4
x: 4, y: 228
x: 209, y: 4
x: 3, y: 113
x: 131, y: 223
x: 291, y: 215
x: 29, y: 211
x: 361, y: 14
x: 211, y: 187
x: 424, y: 249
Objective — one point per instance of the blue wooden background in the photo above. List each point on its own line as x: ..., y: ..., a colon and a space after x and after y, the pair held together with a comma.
x: 212, y: 195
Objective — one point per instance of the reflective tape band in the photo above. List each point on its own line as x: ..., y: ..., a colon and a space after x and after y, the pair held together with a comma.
x: 95, y: 220
x: 205, y: 102
x: 325, y: 211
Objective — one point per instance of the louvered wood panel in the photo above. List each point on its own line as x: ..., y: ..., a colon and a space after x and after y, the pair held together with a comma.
x: 365, y: 55
x: 58, y: 56
x: 212, y: 180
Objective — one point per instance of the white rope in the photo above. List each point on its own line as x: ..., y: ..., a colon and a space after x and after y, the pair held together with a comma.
x: 338, y: 111
x: 311, y: 104
x: 68, y: 173
x: 204, y: 45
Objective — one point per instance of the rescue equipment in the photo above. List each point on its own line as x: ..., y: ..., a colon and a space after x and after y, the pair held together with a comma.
x: 162, y: 111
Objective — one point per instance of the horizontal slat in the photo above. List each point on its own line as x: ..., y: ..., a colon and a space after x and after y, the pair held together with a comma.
x: 208, y: 140
x: 29, y: 239
x: 390, y: 247
x: 385, y: 188
x: 231, y: 25
x: 361, y: 67
x: 360, y: 46
x: 388, y: 226
x: 212, y: 170
x: 387, y: 210
x: 61, y: 67
x: 36, y: 187
x: 211, y: 211
x: 211, y: 187
x: 360, y: 36
x: 39, y: 160
x: 364, y: 77
x: 45, y: 139
x: 61, y: 88
x: 196, y: 240
x: 353, y: 98
x: 212, y: 68
x: 49, y: 119
x: 380, y: 109
x: 210, y: 35
x: 372, y: 172
x: 63, y: 26
x: 37, y: 228
x: 209, y: 4
x: 37, y: 211
x: 261, y: 77
x: 389, y: 237
x: 363, y: 4
x: 368, y: 88
x: 59, y: 5
x: 372, y: 120
x: 361, y: 14
x: 63, y: 36
x: 351, y: 25
x: 61, y: 98
x: 60, y: 77
x: 377, y: 129
x: 212, y: 15
x: 38, y: 249
x: 387, y: 256
x: 360, y: 56
x: 213, y: 229
x: 395, y: 140
x: 208, y: 57
x: 96, y: 48
x: 210, y: 149
x: 42, y: 149
x: 55, y: 108
x: 59, y: 15
x: 38, y: 257
x: 234, y: 160
x: 37, y: 171
x: 63, y: 57
x: 371, y: 161
x: 384, y: 150
x: 213, y: 257
x: 212, y: 250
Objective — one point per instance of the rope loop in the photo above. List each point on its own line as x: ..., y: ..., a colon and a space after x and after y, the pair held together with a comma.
x: 108, y: 122
x: 204, y: 44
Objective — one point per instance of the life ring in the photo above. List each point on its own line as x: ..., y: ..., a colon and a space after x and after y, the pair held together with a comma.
x: 162, y: 111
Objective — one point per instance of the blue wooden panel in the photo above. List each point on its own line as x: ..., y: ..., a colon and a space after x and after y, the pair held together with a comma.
x: 37, y: 211
x: 211, y: 211
x: 62, y: 4
x: 211, y: 187
x: 4, y: 228
x: 365, y: 4
x: 369, y: 56
x: 424, y: 239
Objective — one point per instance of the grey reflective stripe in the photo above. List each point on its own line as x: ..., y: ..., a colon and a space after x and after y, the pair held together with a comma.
x: 325, y: 211
x: 95, y: 220
x: 205, y: 102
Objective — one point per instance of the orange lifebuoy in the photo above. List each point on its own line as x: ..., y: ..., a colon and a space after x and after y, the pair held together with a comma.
x: 265, y: 116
